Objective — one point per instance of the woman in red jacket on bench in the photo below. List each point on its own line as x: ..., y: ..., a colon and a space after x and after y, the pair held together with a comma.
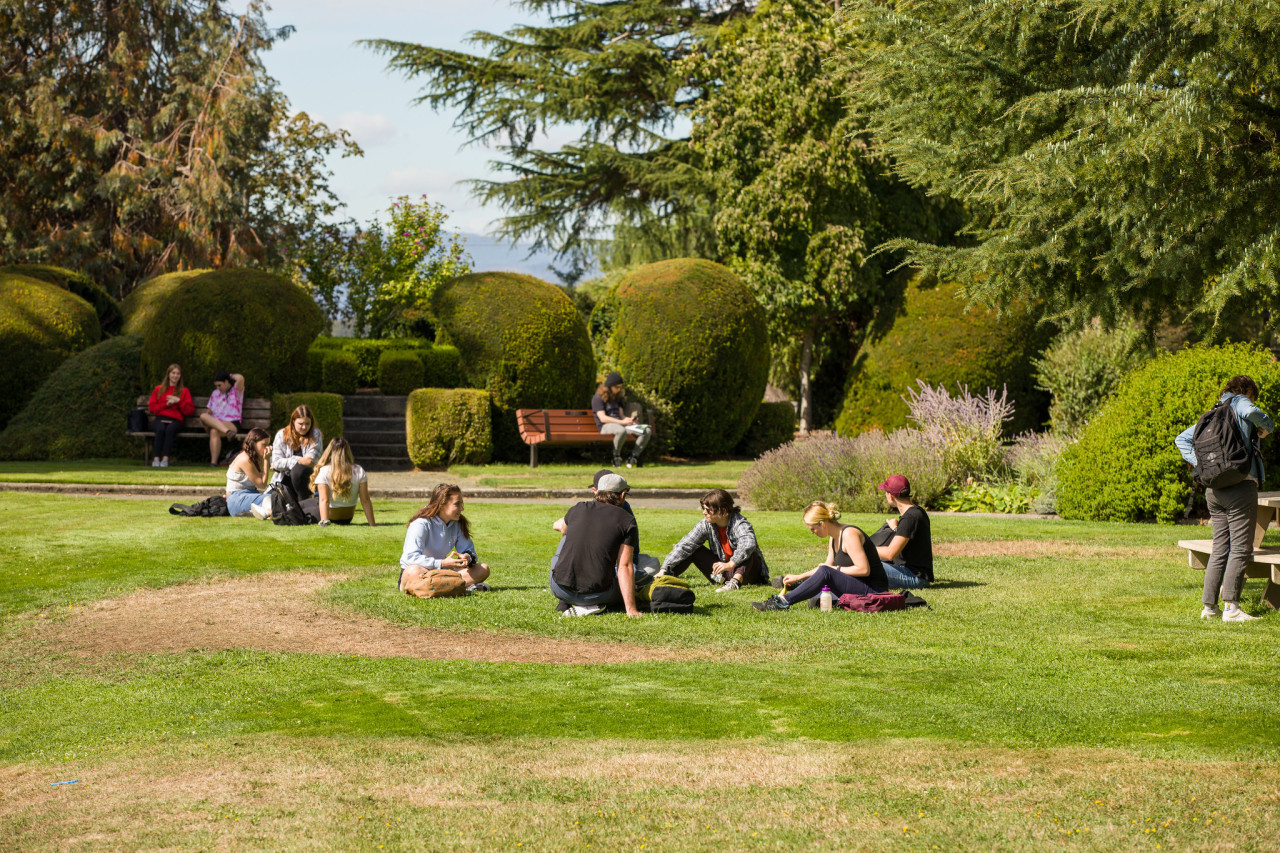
x: 171, y: 404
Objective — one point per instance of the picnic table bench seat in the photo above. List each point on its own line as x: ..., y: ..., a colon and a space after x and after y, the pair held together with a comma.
x: 255, y: 412
x: 559, y: 428
x: 1264, y: 563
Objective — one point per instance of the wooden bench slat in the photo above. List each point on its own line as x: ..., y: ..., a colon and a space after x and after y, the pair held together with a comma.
x: 558, y: 427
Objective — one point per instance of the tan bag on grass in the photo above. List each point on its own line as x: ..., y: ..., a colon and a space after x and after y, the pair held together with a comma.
x: 433, y: 583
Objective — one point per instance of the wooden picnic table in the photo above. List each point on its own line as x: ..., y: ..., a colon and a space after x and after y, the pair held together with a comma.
x: 1264, y: 563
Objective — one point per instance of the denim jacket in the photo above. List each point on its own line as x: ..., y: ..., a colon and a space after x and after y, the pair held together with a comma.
x: 1248, y: 417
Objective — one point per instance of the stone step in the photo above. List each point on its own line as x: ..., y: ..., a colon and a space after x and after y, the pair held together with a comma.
x: 356, y: 435
x: 359, y: 424
x: 386, y: 463
x: 373, y: 405
x: 379, y: 448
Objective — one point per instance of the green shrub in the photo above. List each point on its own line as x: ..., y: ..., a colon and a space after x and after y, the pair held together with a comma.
x: 140, y: 306
x: 690, y: 333
x: 339, y: 372
x: 441, y: 367
x: 975, y: 496
x: 79, y: 412
x: 928, y: 335
x: 448, y: 426
x: 106, y: 307
x: 41, y: 325
x: 1124, y: 467
x: 326, y: 408
x: 521, y: 340
x: 315, y: 367
x: 1081, y: 368
x: 773, y: 426
x: 1032, y: 460
x: 399, y: 372
x: 242, y: 320
x: 368, y: 351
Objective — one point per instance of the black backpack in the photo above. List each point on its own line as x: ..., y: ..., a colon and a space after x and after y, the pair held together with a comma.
x: 1223, y: 457
x: 212, y: 507
x: 286, y: 509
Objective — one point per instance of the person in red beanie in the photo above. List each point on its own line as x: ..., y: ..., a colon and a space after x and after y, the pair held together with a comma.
x: 904, y: 543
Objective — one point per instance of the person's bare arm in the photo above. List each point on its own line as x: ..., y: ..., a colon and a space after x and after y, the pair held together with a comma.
x: 627, y: 579
x: 860, y: 568
x: 560, y: 526
x: 366, y: 503
x: 891, y: 551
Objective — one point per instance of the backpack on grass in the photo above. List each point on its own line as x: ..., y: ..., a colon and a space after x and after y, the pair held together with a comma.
x: 1223, y: 457
x: 875, y: 602
x: 286, y: 509
x: 211, y: 507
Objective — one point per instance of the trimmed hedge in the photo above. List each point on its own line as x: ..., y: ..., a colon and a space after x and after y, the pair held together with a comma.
x: 689, y: 333
x: 1125, y: 467
x: 441, y: 367
x: 935, y: 339
x: 108, y: 310
x: 41, y: 325
x: 522, y: 340
x: 140, y: 306
x: 327, y: 409
x: 399, y: 372
x: 80, y: 410
x: 339, y: 372
x: 773, y: 426
x: 447, y: 426
x: 242, y: 320
x: 368, y: 351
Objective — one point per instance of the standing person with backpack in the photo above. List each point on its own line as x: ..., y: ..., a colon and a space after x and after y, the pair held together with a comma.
x: 1221, y: 447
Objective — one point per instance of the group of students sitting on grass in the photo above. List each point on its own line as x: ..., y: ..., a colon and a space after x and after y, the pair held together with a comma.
x: 598, y: 566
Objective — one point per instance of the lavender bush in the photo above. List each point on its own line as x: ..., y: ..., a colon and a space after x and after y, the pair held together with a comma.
x: 843, y: 470
x: 1032, y: 460
x: 967, y: 431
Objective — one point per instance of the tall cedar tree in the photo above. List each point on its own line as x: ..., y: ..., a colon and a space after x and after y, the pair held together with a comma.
x: 608, y: 70
x: 1114, y: 154
x: 802, y: 195
x: 146, y: 136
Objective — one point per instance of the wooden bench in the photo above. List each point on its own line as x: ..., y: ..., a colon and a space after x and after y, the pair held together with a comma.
x: 1264, y: 563
x: 559, y: 428
x: 255, y: 412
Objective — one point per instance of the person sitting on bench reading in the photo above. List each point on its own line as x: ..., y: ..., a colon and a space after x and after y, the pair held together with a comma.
x: 904, y: 543
x: 607, y: 406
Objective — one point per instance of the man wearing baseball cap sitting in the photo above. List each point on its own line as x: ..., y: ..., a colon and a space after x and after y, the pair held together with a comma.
x: 904, y: 543
x: 594, y: 566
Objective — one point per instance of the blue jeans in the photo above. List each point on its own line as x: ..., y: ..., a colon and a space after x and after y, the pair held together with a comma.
x: 239, y: 501
x: 900, y: 577
x: 611, y: 597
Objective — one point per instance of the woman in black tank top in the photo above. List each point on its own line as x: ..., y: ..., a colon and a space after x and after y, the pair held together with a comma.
x: 852, y: 565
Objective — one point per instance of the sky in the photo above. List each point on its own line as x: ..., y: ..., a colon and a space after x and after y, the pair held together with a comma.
x: 408, y: 150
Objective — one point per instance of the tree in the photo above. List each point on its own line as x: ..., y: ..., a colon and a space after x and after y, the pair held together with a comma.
x: 1114, y: 154
x: 146, y: 136
x: 606, y: 68
x: 803, y: 195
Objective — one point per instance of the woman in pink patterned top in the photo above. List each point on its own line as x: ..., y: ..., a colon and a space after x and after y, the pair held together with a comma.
x: 223, y: 417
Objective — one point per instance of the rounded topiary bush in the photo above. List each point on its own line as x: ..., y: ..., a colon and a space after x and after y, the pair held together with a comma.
x: 107, y: 309
x: 339, y: 373
x: 140, y: 306
x: 447, y: 426
x: 689, y: 333
x: 520, y: 339
x: 242, y: 320
x: 79, y: 411
x: 399, y: 372
x: 1125, y: 466
x: 929, y: 335
x: 41, y: 325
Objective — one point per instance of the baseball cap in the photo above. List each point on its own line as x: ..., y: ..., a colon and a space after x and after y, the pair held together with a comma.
x: 612, y: 483
x: 896, y: 485
x: 595, y: 481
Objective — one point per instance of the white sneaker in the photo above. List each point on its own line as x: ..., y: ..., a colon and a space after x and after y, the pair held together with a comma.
x: 730, y: 585
x: 1210, y: 612
x: 1235, y: 614
x: 479, y: 587
x: 164, y: 463
x: 583, y: 610
x: 155, y: 463
x: 261, y: 511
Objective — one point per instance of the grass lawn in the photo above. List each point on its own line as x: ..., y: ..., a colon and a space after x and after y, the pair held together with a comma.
x: 1060, y: 693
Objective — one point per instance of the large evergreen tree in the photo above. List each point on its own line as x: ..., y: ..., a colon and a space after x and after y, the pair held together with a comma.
x: 145, y: 136
x: 608, y: 69
x: 1114, y: 154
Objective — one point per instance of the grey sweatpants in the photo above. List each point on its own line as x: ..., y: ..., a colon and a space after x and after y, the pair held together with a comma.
x: 1234, y: 512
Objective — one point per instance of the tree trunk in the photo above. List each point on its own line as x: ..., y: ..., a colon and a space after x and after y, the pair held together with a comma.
x: 806, y: 392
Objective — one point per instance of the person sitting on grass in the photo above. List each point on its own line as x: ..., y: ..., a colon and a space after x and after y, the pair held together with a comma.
x: 594, y: 564
x: 734, y: 558
x: 295, y: 451
x: 439, y: 537
x: 171, y: 403
x: 247, y: 475
x: 607, y: 406
x: 852, y: 565
x: 338, y: 483
x: 222, y: 417
x: 904, y: 543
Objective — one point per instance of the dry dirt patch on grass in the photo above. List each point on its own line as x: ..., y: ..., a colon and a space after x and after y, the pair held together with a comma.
x: 280, y: 613
x: 273, y: 792
x: 1040, y: 548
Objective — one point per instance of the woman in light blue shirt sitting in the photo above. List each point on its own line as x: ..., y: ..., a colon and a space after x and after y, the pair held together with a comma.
x: 1233, y: 509
x: 439, y: 537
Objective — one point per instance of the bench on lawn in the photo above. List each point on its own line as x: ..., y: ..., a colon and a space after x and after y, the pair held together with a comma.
x: 1264, y: 563
x: 559, y: 428
x: 256, y: 412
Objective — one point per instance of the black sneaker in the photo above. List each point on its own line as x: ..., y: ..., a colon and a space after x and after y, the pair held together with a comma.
x: 617, y: 462
x: 773, y: 602
x: 634, y: 462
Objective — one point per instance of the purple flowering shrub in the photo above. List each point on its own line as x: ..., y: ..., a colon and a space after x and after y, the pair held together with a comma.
x: 1032, y: 460
x: 843, y: 470
x: 966, y: 430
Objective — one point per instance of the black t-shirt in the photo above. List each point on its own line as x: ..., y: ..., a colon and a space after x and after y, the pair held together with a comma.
x: 877, y: 579
x: 917, y: 554
x: 596, y: 533
x: 613, y: 408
